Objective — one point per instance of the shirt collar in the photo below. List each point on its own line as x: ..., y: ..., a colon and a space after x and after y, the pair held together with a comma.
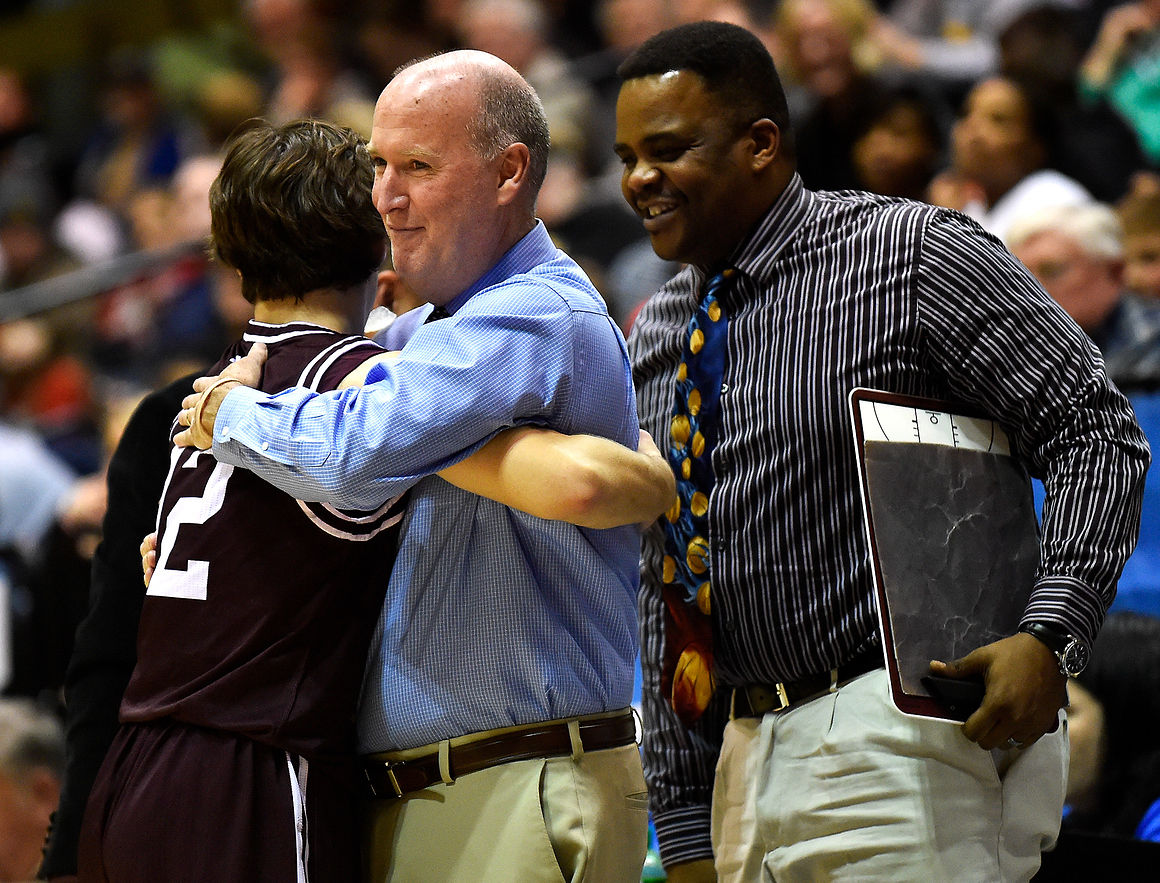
x: 754, y: 256
x: 534, y: 249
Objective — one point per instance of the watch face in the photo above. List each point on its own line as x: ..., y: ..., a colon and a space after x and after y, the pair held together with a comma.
x: 1075, y: 658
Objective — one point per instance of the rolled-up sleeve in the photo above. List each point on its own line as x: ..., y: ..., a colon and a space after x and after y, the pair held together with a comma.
x: 456, y: 383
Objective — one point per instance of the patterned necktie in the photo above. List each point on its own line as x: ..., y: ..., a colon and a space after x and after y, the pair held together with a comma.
x: 687, y: 675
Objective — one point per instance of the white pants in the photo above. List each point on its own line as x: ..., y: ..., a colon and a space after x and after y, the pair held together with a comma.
x: 846, y: 787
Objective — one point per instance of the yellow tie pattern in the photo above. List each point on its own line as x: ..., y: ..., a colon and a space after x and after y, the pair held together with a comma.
x: 687, y: 676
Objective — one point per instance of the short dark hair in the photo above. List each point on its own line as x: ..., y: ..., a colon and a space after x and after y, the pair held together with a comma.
x: 291, y: 209
x: 732, y: 62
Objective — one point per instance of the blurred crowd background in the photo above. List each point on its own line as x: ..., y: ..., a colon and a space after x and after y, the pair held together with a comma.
x: 1039, y: 119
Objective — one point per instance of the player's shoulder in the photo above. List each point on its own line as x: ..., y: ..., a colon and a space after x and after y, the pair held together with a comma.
x: 306, y: 355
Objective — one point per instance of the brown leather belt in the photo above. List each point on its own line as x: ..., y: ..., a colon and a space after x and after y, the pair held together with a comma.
x: 755, y: 700
x: 389, y: 779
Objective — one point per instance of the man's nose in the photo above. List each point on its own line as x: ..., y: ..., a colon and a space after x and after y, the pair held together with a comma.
x: 386, y: 195
x: 640, y: 176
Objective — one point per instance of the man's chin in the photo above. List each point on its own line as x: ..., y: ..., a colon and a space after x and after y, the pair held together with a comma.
x: 666, y: 247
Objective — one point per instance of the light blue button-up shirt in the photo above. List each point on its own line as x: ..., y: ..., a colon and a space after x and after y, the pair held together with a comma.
x: 492, y: 617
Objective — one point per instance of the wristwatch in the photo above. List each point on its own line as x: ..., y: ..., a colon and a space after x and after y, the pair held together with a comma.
x: 1072, y: 653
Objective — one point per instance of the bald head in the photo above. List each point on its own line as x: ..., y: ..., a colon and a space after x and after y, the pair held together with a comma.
x: 501, y: 107
x: 460, y: 145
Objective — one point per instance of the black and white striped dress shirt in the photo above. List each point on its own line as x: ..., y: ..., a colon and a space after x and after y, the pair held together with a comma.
x: 840, y: 290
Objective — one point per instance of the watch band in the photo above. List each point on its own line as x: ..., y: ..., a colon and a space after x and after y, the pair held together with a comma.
x: 1053, y: 636
x: 1071, y: 653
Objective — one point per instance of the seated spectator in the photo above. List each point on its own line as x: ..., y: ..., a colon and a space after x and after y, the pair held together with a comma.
x: 25, y: 175
x: 170, y: 313
x: 47, y: 384
x: 824, y: 43
x: 29, y: 251
x: 1002, y: 161
x: 1043, y: 47
x: 47, y: 517
x: 1114, y: 775
x: 138, y: 145
x: 518, y: 32
x: 1123, y: 68
x: 1077, y: 253
x: 900, y: 145
x: 951, y: 43
x: 1140, y: 214
x: 31, y: 765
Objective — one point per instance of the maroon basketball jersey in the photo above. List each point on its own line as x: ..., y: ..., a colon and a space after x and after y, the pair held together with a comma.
x: 258, y: 617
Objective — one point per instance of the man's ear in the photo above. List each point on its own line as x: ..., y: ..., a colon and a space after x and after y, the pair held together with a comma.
x: 513, y: 172
x: 385, y: 289
x: 765, y: 138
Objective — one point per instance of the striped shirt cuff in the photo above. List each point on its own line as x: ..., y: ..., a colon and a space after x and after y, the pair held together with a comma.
x: 683, y: 835
x: 1067, y: 602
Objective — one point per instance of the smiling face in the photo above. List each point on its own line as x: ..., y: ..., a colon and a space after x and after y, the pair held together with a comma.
x: 688, y: 170
x: 438, y: 198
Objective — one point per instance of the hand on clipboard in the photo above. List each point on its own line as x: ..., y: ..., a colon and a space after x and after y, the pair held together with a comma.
x: 961, y: 697
x: 953, y: 538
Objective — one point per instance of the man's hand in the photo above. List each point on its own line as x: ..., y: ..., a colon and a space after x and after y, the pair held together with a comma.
x: 199, y: 410
x: 700, y: 871
x: 1025, y: 690
x: 149, y: 556
x: 663, y: 472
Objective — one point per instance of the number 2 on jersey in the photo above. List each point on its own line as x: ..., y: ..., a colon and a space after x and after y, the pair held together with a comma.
x: 192, y: 582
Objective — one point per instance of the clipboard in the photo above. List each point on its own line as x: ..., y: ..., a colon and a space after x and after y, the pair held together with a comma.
x: 954, y: 540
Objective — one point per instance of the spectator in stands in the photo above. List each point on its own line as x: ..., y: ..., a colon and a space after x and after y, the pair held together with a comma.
x: 46, y: 382
x: 1114, y: 774
x: 47, y: 517
x: 623, y: 25
x: 31, y: 765
x: 1123, y: 68
x: 1043, y: 48
x: 1077, y: 253
x: 900, y: 144
x: 138, y: 145
x: 952, y: 43
x: 585, y: 221
x: 829, y: 65
x: 518, y: 32
x: 1140, y: 214
x: 1002, y: 158
x: 29, y: 252
x: 171, y: 314
x: 25, y: 177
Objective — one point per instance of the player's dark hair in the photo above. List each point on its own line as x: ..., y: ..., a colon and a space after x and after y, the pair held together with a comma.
x: 291, y: 210
x: 732, y: 62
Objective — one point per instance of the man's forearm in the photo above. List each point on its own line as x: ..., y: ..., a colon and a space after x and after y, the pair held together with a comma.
x: 582, y: 479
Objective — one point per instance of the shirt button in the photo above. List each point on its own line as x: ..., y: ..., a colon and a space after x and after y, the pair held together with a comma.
x: 225, y: 432
x: 724, y: 388
x: 265, y: 446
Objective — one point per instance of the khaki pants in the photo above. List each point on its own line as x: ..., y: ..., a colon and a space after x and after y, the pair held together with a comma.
x: 545, y: 819
x: 846, y: 787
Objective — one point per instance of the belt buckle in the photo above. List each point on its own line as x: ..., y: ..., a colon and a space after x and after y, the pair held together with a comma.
x: 765, y: 698
x: 389, y: 768
x: 782, y: 696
